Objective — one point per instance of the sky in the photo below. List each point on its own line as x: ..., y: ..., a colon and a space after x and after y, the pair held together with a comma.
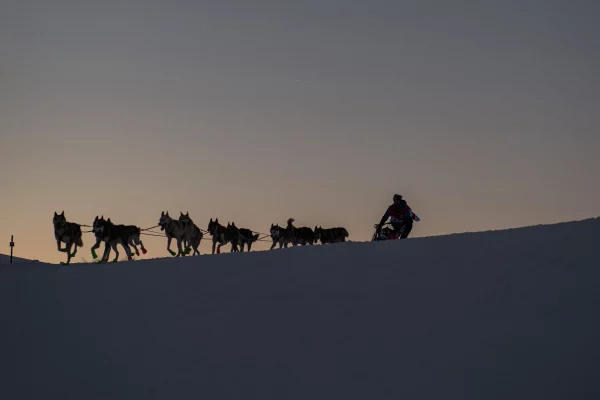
x: 482, y: 114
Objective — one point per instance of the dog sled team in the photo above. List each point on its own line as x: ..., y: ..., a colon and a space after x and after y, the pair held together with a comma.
x: 188, y: 235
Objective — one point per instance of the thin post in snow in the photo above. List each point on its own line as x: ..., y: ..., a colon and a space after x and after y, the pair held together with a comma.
x: 12, y: 244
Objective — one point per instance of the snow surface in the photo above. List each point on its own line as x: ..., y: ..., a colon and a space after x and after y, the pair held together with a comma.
x: 5, y: 259
x: 495, y: 315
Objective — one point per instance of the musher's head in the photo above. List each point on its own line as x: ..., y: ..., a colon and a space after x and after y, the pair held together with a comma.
x: 397, y: 198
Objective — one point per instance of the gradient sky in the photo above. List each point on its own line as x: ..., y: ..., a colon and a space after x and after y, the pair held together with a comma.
x: 483, y: 114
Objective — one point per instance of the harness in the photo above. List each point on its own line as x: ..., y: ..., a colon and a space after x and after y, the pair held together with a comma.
x: 66, y: 228
x: 63, y: 234
x: 172, y: 230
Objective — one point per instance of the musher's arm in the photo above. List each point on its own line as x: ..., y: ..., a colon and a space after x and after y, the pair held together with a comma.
x: 385, y: 217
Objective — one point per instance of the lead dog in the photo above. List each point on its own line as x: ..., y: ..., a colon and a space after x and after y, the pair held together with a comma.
x: 68, y: 233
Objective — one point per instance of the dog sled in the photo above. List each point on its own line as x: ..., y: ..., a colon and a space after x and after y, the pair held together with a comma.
x: 387, y: 231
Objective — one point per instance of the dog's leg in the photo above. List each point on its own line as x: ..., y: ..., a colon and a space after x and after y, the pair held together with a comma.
x: 58, y: 242
x: 68, y: 249
x: 75, y: 250
x: 128, y: 250
x: 179, y: 250
x: 169, y: 238
x: 144, y: 251
x: 113, y: 244
x: 132, y: 244
x: 195, y: 245
x: 95, y: 247
x: 69, y: 255
x: 106, y: 252
x: 214, y: 240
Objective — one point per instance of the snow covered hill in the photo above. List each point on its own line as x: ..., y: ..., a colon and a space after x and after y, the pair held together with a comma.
x: 494, y: 315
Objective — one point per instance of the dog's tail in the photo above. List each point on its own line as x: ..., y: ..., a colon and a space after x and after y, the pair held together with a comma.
x: 79, y: 242
x: 289, y: 222
x: 345, y: 232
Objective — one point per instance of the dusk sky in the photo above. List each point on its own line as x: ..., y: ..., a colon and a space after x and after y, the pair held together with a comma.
x: 483, y: 114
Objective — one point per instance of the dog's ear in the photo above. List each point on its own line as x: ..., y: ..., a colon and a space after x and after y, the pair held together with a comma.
x: 210, y: 220
x: 108, y: 220
x: 167, y: 214
x: 187, y: 214
x: 55, y: 214
x: 62, y: 213
x: 162, y: 213
x: 102, y: 217
x: 216, y: 220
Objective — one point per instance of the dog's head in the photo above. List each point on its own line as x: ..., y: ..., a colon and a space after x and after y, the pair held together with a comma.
x: 59, y: 220
x: 275, y: 231
x: 185, y: 218
x: 318, y: 232
x: 99, y: 225
x: 213, y: 226
x: 164, y: 220
x: 231, y: 228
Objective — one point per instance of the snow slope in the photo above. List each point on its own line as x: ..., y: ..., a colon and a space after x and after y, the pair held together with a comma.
x: 5, y: 259
x: 494, y: 315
